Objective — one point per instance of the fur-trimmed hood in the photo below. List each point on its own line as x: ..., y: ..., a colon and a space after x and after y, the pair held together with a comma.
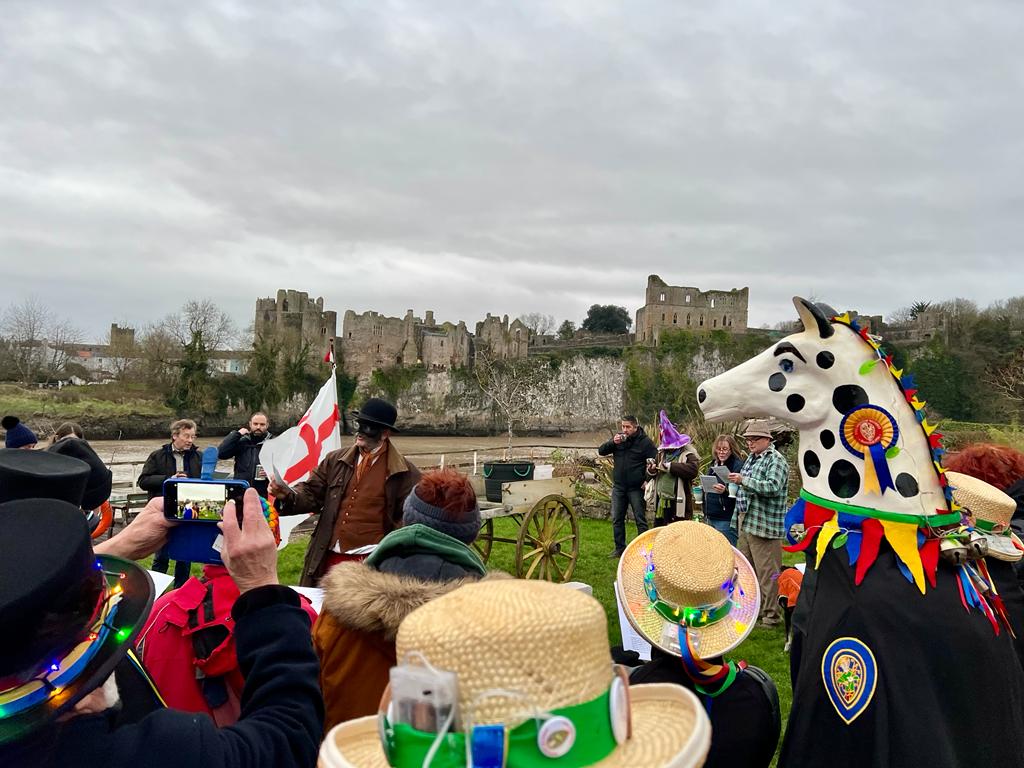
x: 361, y: 597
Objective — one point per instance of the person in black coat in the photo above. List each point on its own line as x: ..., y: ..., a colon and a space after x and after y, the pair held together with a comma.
x: 631, y: 449
x: 69, y: 440
x: 243, y: 445
x: 282, y: 710
x: 179, y: 458
x: 746, y: 718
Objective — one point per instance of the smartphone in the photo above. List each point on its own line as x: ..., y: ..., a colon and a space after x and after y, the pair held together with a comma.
x: 201, y: 500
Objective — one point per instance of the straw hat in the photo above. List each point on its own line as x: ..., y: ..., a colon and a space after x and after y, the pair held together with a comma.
x: 697, y: 571
x: 531, y: 654
x: 992, y: 510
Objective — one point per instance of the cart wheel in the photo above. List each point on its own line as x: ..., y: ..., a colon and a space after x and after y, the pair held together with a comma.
x: 484, y: 540
x: 549, y: 541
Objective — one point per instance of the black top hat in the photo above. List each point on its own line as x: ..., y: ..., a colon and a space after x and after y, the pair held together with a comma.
x: 100, y: 481
x: 69, y: 616
x: 377, y: 411
x: 41, y: 475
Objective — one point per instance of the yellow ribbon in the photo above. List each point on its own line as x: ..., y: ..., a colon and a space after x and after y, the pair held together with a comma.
x: 828, y: 532
x: 902, y: 537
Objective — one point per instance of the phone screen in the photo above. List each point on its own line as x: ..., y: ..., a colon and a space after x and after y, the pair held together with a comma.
x: 199, y: 501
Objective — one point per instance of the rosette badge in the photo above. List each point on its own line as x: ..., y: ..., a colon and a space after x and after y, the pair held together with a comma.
x: 870, y: 432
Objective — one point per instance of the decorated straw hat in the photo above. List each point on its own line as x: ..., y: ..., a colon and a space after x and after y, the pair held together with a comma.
x: 535, y: 686
x: 992, y: 510
x: 687, y: 576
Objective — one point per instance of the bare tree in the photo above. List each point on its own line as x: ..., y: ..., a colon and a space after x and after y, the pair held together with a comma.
x: 202, y: 316
x: 39, y: 342
x: 159, y: 351
x: 23, y: 325
x: 1009, y: 380
x: 61, y: 336
x: 539, y: 324
x: 511, y: 385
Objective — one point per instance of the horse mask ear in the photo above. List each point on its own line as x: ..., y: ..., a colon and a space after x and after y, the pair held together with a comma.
x: 813, y: 318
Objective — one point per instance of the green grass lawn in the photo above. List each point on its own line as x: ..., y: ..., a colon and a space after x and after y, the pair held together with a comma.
x: 763, y: 648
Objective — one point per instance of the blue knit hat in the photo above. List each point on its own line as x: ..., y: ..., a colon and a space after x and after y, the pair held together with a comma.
x: 464, y: 525
x: 18, y: 435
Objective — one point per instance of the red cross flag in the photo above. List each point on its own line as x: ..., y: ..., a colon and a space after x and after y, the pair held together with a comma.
x: 295, y: 453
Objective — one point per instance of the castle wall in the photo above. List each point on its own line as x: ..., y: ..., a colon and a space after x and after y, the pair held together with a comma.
x: 689, y: 308
x: 292, y: 317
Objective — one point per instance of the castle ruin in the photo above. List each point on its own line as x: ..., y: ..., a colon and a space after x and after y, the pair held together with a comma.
x: 292, y: 318
x: 685, y: 308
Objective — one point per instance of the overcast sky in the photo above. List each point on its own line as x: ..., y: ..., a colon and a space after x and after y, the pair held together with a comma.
x: 508, y: 157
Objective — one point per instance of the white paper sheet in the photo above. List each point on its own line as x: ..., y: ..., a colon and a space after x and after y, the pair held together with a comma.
x: 315, y: 595
x: 631, y: 639
x: 161, y: 581
x: 288, y: 523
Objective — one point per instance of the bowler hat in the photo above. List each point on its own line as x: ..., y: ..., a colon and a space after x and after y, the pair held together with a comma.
x: 41, y: 474
x: 379, y: 412
x: 69, y: 616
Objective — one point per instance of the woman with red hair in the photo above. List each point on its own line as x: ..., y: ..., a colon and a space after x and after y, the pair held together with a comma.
x: 1002, y: 467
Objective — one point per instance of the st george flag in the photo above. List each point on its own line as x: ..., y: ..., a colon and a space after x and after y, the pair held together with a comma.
x: 297, y: 451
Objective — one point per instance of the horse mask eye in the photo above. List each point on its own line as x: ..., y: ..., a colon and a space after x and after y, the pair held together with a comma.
x: 786, y: 365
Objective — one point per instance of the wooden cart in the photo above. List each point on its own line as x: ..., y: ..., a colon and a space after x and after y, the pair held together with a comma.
x: 548, y: 539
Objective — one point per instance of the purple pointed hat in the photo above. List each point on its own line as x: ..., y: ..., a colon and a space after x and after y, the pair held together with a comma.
x: 670, y: 436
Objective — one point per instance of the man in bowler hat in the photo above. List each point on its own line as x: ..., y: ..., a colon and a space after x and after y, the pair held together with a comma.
x: 358, y: 492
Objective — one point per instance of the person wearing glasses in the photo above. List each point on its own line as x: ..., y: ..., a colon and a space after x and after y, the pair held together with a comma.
x: 761, y: 504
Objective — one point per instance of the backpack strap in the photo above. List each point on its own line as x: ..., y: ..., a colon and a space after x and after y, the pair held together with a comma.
x: 205, y: 641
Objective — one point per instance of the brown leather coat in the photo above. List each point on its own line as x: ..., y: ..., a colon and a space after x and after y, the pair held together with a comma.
x: 324, y: 491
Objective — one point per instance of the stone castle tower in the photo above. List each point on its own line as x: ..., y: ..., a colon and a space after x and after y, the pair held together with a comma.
x: 293, y: 317
x: 685, y: 308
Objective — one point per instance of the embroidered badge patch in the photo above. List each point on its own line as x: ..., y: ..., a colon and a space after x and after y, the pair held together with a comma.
x: 849, y: 672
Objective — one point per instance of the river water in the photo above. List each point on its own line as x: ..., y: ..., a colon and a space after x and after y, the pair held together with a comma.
x: 126, y: 456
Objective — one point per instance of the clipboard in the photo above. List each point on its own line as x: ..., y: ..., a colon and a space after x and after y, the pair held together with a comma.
x: 708, y: 483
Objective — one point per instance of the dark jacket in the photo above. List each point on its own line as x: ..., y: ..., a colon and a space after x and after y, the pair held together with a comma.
x: 246, y: 453
x: 745, y: 718
x: 324, y: 491
x: 281, y: 725
x: 364, y: 602
x: 630, y: 457
x: 160, y: 465
x: 718, y: 506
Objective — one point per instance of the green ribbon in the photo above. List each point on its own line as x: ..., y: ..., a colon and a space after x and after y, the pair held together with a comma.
x: 407, y: 747
x: 689, y: 616
x: 988, y: 527
x: 923, y: 521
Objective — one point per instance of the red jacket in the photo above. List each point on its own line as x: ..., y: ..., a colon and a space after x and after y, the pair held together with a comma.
x: 181, y: 667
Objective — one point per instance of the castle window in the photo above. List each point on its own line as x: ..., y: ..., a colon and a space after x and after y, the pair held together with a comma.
x: 442, y: 345
x: 673, y: 318
x: 687, y: 318
x: 661, y: 298
x: 350, y: 334
x: 284, y: 305
x: 712, y: 303
x: 378, y: 347
x: 323, y: 331
x: 723, y: 321
x: 687, y: 298
x: 663, y: 317
x: 702, y: 321
x: 714, y: 323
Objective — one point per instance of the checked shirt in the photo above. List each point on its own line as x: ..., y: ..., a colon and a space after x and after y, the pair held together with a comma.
x: 761, y: 501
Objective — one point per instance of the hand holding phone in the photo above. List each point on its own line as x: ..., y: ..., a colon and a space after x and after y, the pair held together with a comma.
x: 200, y: 500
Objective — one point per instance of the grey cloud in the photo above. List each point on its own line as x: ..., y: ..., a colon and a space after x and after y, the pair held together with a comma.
x: 508, y: 157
